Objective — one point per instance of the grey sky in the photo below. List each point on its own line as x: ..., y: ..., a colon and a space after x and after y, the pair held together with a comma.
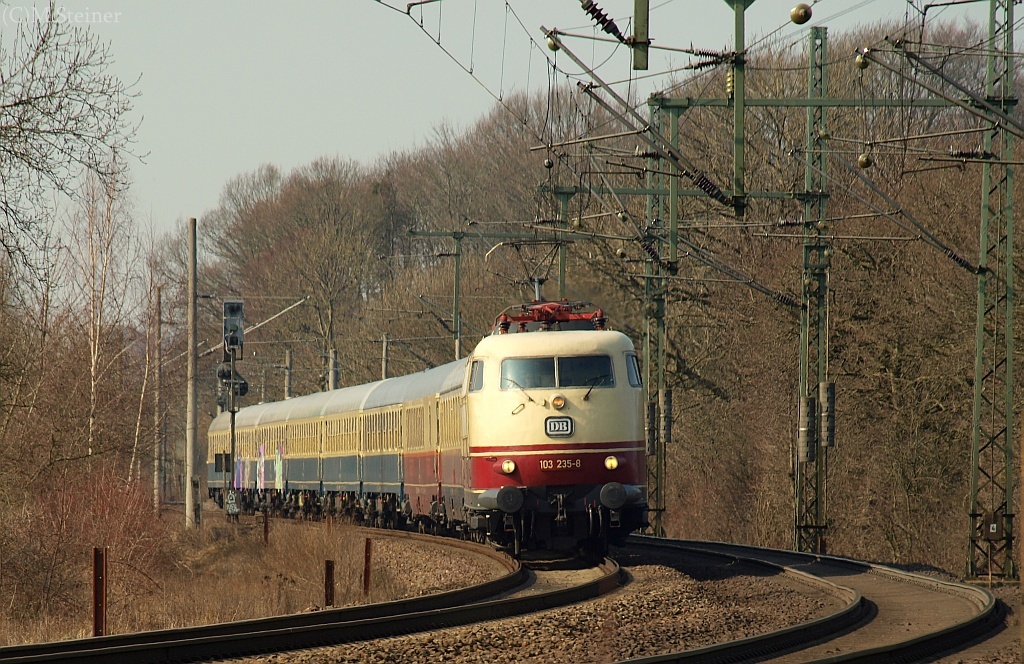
x: 229, y: 85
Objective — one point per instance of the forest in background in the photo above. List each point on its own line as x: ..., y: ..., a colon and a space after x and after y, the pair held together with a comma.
x: 78, y: 286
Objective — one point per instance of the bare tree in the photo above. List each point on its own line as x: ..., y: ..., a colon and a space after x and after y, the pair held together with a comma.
x: 103, y: 259
x: 61, y: 115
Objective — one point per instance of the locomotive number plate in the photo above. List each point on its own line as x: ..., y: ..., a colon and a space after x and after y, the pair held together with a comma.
x: 558, y: 427
x: 561, y: 464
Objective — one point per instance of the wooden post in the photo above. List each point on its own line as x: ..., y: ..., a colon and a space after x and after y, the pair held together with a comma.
x: 99, y: 591
x: 366, y: 566
x: 328, y: 583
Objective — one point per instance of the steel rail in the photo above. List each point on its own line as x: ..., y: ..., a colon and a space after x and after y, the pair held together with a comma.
x: 854, y: 610
x: 986, y: 616
x: 322, y: 628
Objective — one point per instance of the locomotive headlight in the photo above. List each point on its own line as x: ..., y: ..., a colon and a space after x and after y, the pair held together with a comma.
x: 611, y: 463
x: 508, y: 466
x: 558, y: 402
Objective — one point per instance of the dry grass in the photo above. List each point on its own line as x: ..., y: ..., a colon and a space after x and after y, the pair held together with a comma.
x: 221, y: 572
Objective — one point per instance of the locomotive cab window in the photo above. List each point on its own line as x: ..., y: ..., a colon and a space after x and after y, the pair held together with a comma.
x: 633, y: 370
x: 528, y: 372
x: 476, y: 376
x: 585, y: 371
x: 582, y: 371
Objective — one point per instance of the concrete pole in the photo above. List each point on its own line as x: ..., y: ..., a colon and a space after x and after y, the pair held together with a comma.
x: 332, y: 374
x: 158, y: 439
x: 288, y: 374
x: 457, y: 309
x: 191, y: 490
x: 384, y: 357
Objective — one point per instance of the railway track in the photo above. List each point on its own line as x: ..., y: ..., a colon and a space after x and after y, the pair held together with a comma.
x: 883, y: 614
x: 886, y: 615
x: 328, y: 627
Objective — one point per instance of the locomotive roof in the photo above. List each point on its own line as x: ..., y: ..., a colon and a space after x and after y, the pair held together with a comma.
x: 386, y: 392
x: 565, y: 342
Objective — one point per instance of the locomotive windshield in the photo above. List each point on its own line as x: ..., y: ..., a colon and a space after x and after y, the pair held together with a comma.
x: 580, y: 371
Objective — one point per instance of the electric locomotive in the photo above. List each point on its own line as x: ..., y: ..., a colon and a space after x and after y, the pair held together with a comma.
x: 533, y: 442
x: 556, y: 439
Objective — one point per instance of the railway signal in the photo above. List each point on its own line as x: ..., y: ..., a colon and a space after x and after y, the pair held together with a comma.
x: 234, y: 328
x: 234, y: 384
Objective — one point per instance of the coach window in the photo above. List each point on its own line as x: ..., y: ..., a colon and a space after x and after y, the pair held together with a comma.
x: 476, y: 376
x: 527, y: 372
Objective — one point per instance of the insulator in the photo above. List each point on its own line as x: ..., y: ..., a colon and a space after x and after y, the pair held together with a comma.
x: 649, y: 249
x: 601, y: 18
x: 709, y: 188
x: 960, y: 260
x: 827, y: 419
x: 705, y: 53
x: 807, y: 432
x: 786, y: 300
x: 730, y: 86
x: 971, y: 154
x: 705, y: 64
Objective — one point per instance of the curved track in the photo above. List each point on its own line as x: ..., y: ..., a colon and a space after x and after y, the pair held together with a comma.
x: 329, y: 627
x: 884, y: 615
x: 888, y: 615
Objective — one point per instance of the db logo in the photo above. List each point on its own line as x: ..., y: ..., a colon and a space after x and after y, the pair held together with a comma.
x: 558, y: 427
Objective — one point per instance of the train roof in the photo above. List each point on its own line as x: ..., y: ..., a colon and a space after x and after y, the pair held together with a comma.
x: 438, y: 380
x: 565, y: 342
x: 390, y: 391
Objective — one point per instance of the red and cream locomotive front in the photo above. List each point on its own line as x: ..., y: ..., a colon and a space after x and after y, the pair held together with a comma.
x: 556, y: 439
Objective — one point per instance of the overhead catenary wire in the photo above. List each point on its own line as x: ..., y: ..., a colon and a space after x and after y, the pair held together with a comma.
x: 990, y: 112
x: 926, y: 235
x: 629, y: 111
x: 655, y: 139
